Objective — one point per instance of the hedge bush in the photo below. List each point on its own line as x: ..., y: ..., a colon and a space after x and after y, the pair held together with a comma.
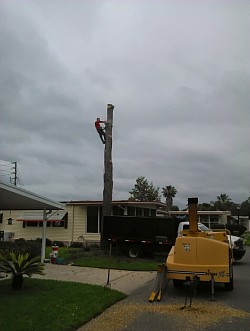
x: 76, y: 244
x: 48, y: 241
x: 58, y: 243
x: 21, y: 247
x: 235, y: 229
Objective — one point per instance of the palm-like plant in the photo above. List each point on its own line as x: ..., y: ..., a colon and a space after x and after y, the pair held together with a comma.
x: 223, y: 202
x: 20, y: 265
x: 169, y: 192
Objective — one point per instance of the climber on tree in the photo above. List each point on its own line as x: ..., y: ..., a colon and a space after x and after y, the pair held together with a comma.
x: 100, y: 130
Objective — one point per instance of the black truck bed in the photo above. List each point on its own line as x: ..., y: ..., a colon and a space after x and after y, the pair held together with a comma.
x: 139, y: 228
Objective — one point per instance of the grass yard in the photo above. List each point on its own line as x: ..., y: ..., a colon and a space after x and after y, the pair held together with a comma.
x: 117, y: 263
x: 46, y: 305
x: 98, y: 259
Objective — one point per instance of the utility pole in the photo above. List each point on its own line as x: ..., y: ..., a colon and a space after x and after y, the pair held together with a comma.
x: 108, y: 169
x: 15, y: 172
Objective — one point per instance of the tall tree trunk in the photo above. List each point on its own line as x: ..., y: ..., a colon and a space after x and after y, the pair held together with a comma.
x: 108, y: 170
x: 17, y: 282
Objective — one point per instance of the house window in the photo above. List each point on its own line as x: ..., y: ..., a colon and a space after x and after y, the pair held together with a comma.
x: 131, y: 211
x: 118, y: 210
x: 214, y: 220
x: 204, y: 219
x: 93, y: 219
x: 146, y: 212
x: 153, y: 212
x: 58, y: 223
x: 138, y: 211
x: 33, y: 224
x: 65, y: 221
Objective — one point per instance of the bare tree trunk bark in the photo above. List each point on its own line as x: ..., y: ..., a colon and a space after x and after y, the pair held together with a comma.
x: 108, y: 169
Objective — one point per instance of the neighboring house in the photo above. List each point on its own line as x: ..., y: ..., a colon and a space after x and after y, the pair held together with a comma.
x: 207, y: 217
x: 243, y: 220
x: 216, y: 216
x: 79, y: 221
x: 13, y: 198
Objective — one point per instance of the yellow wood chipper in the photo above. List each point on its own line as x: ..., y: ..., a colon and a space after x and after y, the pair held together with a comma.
x: 196, y: 257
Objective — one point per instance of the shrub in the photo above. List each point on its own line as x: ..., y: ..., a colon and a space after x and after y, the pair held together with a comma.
x: 246, y: 236
x: 233, y: 228
x: 236, y: 229
x: 19, y: 265
x: 48, y: 241
x: 20, y: 240
x: 58, y: 243
x: 76, y: 244
x: 31, y: 247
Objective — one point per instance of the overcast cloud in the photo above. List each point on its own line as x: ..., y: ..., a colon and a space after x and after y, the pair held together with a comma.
x: 176, y: 71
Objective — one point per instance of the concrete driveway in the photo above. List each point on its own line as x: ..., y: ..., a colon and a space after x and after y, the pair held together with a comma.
x: 230, y: 311
x: 120, y: 280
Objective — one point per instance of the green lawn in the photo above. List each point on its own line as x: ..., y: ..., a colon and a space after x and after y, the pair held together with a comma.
x: 52, y: 305
x: 46, y: 305
x: 98, y: 259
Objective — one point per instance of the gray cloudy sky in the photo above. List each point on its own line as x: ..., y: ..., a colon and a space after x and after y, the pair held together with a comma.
x: 176, y: 71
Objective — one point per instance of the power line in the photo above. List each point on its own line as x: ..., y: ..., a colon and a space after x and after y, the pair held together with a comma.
x: 5, y: 166
x: 10, y: 169
x: 6, y: 169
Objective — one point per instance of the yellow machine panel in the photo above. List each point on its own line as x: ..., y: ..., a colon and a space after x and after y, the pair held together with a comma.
x: 199, y: 256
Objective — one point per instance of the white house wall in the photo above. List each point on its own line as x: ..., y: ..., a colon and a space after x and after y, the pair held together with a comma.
x: 76, y: 230
x: 16, y: 227
x: 77, y: 220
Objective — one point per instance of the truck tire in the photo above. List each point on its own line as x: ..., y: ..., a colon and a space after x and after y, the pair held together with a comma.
x: 134, y: 251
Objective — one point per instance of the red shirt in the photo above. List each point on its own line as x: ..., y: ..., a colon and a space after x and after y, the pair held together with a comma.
x: 97, y: 124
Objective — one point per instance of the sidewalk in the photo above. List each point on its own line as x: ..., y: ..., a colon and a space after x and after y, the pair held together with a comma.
x: 120, y: 280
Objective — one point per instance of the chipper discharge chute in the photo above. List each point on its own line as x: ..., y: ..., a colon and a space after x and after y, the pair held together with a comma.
x: 200, y: 256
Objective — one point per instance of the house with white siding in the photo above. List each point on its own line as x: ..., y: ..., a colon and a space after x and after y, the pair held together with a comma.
x: 76, y: 221
x: 79, y: 221
x: 13, y: 198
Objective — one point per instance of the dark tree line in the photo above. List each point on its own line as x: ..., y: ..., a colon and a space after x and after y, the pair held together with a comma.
x: 144, y: 190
